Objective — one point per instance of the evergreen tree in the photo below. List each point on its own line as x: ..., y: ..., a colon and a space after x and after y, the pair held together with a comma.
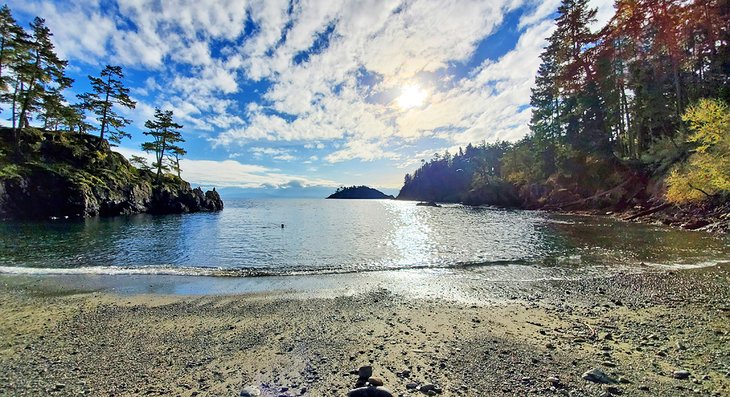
x: 72, y: 117
x: 109, y: 90
x: 175, y: 154
x: 12, y: 39
x: 44, y: 71
x: 165, y: 134
x: 139, y: 162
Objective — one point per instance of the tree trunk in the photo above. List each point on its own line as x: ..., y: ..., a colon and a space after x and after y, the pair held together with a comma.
x: 106, y: 106
x: 26, y: 100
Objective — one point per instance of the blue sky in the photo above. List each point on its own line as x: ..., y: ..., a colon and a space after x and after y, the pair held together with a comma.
x: 280, y: 94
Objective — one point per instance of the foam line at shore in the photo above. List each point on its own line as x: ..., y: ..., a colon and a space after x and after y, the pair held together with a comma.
x: 250, y: 272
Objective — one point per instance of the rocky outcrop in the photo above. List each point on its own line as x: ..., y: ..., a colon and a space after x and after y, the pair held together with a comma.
x: 67, y: 176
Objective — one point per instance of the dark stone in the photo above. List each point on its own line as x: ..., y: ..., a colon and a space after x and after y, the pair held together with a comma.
x: 681, y: 374
x: 365, y: 372
x: 370, y: 392
x: 430, y: 389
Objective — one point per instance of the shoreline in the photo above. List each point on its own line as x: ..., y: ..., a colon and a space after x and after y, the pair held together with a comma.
x: 533, y: 337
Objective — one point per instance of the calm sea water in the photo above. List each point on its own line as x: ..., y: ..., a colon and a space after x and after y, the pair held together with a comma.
x: 333, y: 236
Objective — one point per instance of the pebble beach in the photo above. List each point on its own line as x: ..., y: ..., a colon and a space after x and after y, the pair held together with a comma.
x: 658, y: 333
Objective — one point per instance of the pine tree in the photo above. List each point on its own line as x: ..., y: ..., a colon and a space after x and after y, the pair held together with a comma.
x: 175, y: 154
x: 581, y: 115
x: 109, y: 90
x: 12, y: 38
x: 139, y: 162
x: 165, y: 134
x: 44, y: 70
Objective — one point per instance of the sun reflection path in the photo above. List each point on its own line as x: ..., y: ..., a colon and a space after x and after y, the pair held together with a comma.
x: 411, y: 235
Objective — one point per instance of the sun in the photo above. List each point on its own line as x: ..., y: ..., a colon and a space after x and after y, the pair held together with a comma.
x: 411, y: 96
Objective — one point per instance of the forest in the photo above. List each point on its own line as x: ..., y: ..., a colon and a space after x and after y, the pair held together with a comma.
x: 647, y: 94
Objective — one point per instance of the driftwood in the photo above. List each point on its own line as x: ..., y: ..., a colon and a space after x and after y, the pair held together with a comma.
x: 648, y: 212
x: 595, y: 196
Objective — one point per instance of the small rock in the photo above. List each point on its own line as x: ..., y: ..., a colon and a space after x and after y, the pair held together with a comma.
x: 250, y: 391
x: 680, y: 374
x: 365, y: 372
x: 554, y: 380
x: 375, y: 381
x: 597, y: 376
x: 430, y: 389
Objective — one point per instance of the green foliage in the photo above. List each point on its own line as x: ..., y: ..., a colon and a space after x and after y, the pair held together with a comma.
x: 522, y: 164
x: 32, y: 80
x: 175, y: 154
x: 165, y: 135
x: 666, y: 151
x: 9, y: 171
x: 707, y: 171
x: 108, y: 90
x: 139, y: 162
x: 449, y: 178
x: 42, y: 72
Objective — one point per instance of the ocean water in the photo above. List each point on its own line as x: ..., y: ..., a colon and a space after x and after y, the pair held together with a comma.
x: 348, y: 236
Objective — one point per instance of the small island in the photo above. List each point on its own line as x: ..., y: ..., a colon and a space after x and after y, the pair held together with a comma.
x: 359, y: 192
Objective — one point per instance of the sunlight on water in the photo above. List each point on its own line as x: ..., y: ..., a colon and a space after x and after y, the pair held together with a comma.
x: 410, y: 234
x: 346, y: 236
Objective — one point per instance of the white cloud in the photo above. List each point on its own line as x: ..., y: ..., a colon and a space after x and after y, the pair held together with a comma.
x: 274, y: 153
x: 339, y: 100
x: 231, y: 173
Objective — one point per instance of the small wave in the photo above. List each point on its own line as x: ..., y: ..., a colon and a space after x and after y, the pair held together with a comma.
x: 680, y: 266
x: 120, y: 270
x: 232, y: 272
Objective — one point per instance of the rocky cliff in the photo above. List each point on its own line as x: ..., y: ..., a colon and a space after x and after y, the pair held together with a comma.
x: 53, y: 175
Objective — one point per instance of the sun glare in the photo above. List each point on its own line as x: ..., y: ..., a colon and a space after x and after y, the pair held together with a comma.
x: 411, y: 96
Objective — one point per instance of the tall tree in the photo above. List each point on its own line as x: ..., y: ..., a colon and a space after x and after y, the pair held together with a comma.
x: 165, y: 134
x: 175, y: 154
x: 45, y: 69
x: 12, y: 38
x: 581, y: 113
x: 567, y: 106
x: 108, y: 90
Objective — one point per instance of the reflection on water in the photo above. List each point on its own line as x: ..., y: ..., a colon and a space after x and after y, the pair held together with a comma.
x: 347, y: 235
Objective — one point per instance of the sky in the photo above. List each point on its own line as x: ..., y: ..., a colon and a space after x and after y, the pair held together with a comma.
x: 286, y: 95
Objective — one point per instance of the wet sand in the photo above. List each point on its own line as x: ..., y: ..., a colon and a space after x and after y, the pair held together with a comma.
x: 470, y: 336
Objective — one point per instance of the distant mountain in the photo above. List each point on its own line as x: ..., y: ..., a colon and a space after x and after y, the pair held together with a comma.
x: 359, y: 192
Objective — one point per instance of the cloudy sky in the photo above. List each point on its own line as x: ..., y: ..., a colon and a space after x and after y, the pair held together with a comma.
x: 312, y: 92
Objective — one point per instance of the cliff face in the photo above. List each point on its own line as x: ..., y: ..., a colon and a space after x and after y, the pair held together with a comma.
x: 74, y: 175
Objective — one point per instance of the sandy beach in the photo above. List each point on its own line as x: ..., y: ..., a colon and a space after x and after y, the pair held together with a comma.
x: 511, y: 339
